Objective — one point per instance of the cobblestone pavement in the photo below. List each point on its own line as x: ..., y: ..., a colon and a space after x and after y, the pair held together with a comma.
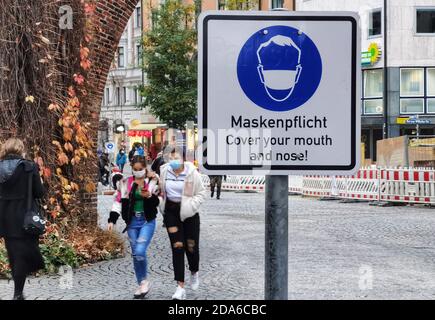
x: 336, y: 251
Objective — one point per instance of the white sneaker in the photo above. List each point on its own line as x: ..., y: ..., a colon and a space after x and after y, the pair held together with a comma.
x: 145, y: 286
x: 180, y: 294
x: 194, y: 281
x: 138, y: 293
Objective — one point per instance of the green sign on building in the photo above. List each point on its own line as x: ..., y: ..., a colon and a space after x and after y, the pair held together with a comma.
x: 366, y: 58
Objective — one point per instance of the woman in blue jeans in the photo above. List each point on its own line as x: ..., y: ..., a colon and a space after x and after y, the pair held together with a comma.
x: 136, y: 201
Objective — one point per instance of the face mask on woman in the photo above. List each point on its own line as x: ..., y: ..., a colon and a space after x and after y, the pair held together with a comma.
x: 139, y: 174
x: 175, y: 164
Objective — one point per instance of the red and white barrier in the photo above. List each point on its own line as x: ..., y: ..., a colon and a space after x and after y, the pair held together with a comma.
x: 413, y: 185
x: 364, y: 185
x: 408, y: 185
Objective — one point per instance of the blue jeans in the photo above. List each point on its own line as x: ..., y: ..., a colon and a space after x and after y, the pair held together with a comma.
x: 140, y: 232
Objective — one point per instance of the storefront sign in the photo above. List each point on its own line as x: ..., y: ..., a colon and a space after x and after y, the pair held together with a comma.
x: 418, y: 121
x: 402, y: 120
x: 110, y: 147
x: 140, y: 133
x: 372, y: 55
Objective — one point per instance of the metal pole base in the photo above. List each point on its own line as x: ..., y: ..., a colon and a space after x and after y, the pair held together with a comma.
x: 276, y: 235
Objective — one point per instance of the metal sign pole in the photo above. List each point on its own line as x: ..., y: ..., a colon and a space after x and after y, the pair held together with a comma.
x: 276, y: 236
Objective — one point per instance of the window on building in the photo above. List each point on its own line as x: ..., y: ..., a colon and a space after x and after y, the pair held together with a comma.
x: 373, y: 90
x: 118, y: 96
x: 107, y: 96
x: 135, y: 96
x: 430, y: 90
x: 411, y: 106
x: 431, y: 105
x: 375, y: 23
x: 121, y: 57
x: 242, y: 5
x: 417, y: 90
x: 139, y: 17
x: 411, y: 82
x: 373, y: 83
x: 139, y: 55
x: 431, y: 82
x: 277, y: 4
x: 124, y: 95
x: 425, y: 20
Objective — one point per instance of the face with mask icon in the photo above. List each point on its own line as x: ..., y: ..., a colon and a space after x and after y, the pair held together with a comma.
x: 279, y: 66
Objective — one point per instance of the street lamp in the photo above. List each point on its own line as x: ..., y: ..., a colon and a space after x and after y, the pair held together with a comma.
x: 120, y: 128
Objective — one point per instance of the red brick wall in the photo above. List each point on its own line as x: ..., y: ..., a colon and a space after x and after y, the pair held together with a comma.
x: 110, y: 19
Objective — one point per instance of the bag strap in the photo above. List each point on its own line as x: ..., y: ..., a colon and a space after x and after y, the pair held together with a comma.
x: 29, y: 191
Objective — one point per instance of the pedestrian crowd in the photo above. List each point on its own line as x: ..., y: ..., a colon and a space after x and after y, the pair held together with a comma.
x: 168, y: 184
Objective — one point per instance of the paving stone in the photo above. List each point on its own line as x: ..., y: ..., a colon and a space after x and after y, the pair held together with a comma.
x: 336, y: 251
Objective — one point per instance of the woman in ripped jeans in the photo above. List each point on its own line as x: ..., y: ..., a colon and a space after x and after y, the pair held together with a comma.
x: 182, y: 194
x: 136, y: 199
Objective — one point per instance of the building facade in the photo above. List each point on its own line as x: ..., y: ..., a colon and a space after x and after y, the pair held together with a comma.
x: 409, y: 60
x: 121, y: 120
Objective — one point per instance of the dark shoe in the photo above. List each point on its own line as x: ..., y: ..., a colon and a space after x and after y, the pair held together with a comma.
x: 19, y: 297
x: 218, y: 198
x: 212, y: 194
x: 139, y: 296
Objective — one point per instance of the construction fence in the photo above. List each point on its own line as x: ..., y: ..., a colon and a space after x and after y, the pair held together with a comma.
x: 405, y: 185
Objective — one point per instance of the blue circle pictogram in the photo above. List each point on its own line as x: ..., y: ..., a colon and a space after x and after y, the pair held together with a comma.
x: 279, y: 68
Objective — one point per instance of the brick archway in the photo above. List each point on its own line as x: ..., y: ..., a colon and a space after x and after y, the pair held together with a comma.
x: 30, y: 27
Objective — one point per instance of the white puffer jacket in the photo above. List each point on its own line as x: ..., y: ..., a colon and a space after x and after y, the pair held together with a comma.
x: 194, y: 192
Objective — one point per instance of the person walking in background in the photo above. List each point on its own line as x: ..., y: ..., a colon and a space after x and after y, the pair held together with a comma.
x: 136, y: 201
x: 158, y: 162
x: 182, y: 193
x: 216, y: 181
x: 121, y: 160
x: 22, y: 248
x: 140, y: 151
x: 103, y: 165
x: 132, y: 152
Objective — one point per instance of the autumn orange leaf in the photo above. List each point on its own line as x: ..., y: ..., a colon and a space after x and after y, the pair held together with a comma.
x: 68, y: 146
x: 74, y: 102
x: 63, y: 158
x: 67, y: 134
x: 66, y: 121
x: 46, y: 173
x: 85, y: 64
x: 90, y: 187
x: 89, y: 8
x: 79, y: 79
x: 84, y: 53
x: 56, y: 143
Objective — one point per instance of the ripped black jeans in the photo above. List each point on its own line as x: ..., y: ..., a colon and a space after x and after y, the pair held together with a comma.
x: 184, y: 237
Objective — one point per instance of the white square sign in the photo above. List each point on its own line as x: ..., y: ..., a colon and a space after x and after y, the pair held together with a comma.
x: 279, y: 92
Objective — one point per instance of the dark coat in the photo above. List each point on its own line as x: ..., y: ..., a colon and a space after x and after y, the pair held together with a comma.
x: 14, y: 177
x: 157, y: 163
